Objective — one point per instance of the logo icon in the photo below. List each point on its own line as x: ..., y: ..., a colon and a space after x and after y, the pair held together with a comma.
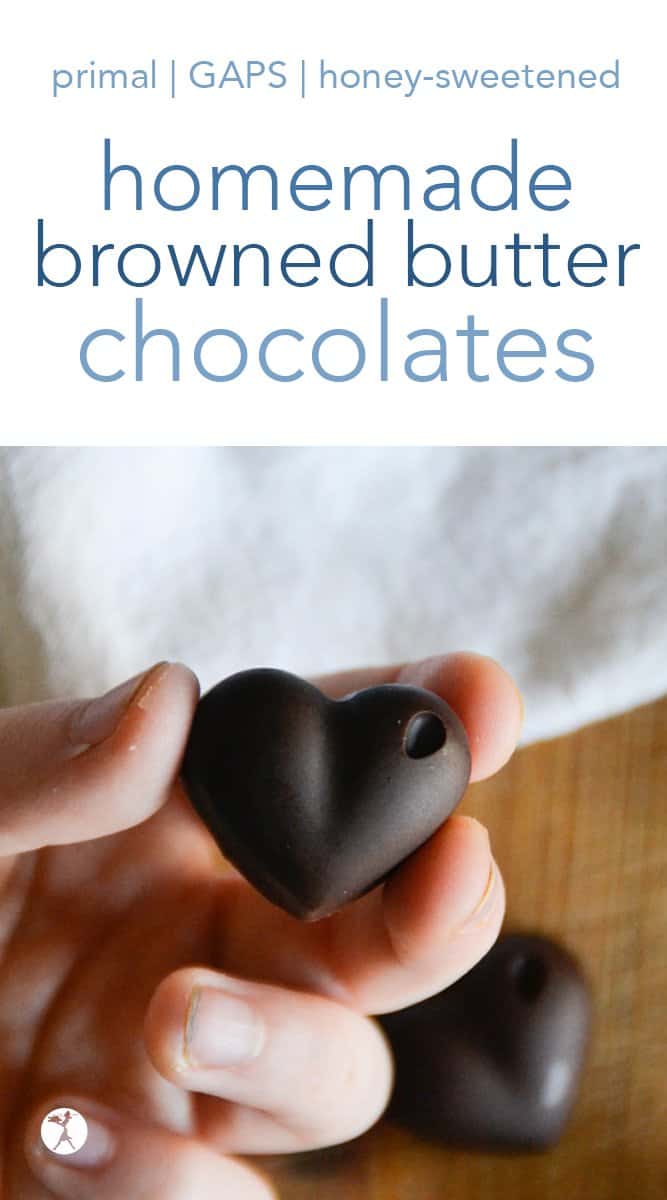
x: 64, y: 1130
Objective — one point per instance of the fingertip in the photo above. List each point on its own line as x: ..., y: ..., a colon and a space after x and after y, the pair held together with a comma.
x: 446, y: 903
x: 125, y: 778
x: 170, y: 691
x: 76, y: 770
x: 208, y: 1022
x: 483, y: 695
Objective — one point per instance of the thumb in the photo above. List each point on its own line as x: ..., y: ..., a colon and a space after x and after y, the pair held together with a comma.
x: 74, y: 770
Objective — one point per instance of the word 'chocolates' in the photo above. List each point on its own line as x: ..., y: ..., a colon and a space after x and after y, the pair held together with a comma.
x: 495, y: 1060
x: 317, y: 800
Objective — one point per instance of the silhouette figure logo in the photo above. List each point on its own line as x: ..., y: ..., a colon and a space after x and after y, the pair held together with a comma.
x: 64, y: 1130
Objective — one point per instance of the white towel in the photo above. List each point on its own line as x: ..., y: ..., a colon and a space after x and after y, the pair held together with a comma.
x: 554, y: 561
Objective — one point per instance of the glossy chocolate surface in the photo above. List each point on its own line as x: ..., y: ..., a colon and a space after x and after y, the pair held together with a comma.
x: 315, y: 801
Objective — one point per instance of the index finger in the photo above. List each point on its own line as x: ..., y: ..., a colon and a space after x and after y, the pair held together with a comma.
x: 436, y: 915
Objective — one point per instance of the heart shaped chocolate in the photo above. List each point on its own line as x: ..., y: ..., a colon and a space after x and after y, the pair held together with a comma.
x: 317, y: 800
x: 494, y: 1061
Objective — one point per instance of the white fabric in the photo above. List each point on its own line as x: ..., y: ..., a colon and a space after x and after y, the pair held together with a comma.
x: 552, y: 560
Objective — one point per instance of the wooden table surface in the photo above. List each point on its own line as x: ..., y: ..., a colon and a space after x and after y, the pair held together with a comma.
x: 579, y: 827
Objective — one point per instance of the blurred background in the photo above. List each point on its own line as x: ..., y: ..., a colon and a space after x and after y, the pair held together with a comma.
x: 553, y: 560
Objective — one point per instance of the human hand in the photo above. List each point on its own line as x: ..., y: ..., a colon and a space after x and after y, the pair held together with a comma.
x: 145, y: 984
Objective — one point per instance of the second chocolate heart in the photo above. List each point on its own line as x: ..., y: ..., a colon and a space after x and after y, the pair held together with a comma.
x: 495, y: 1060
x: 315, y: 800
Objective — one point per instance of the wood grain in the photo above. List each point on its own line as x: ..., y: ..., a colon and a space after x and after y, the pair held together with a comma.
x: 579, y: 826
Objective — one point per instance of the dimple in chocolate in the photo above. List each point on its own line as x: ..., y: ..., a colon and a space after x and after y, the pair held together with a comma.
x: 317, y: 800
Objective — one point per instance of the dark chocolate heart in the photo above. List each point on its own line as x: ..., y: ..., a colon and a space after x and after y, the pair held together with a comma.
x: 494, y: 1061
x: 317, y: 800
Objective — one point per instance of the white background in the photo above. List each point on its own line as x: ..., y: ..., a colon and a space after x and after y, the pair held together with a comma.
x: 610, y: 141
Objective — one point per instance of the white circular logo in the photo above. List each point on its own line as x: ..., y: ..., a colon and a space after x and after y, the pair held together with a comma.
x: 64, y: 1130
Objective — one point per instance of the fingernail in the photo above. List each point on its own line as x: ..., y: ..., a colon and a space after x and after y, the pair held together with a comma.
x: 97, y: 719
x: 69, y: 1136
x: 486, y: 903
x: 221, y: 1030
